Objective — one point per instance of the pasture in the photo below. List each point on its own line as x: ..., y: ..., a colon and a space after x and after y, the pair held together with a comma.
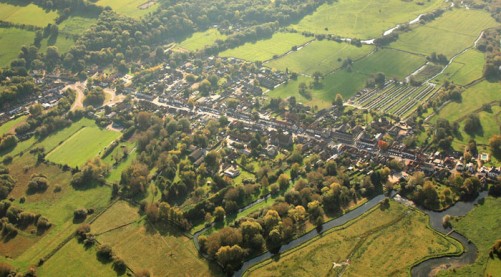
x: 393, y: 63
x: 457, y: 29
x: 76, y: 25
x: 361, y: 18
x: 30, y: 15
x: 200, y: 40
x: 131, y: 8
x: 14, y: 38
x: 382, y: 242
x: 481, y: 226
x: 266, y: 49
x: 10, y: 126
x: 465, y: 69
x: 62, y: 43
x: 491, y: 123
x: 323, y: 56
x: 72, y: 153
x: 121, y: 213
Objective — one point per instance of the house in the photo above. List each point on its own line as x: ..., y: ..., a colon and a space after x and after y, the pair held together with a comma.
x: 494, y: 173
x: 459, y: 167
x: 196, y: 155
x: 232, y: 173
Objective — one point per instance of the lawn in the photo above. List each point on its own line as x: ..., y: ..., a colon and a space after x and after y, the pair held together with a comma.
x: 78, y: 262
x: 466, y: 68
x: 76, y: 25
x: 14, y: 38
x: 391, y: 62
x: 199, y: 40
x: 10, y: 126
x: 449, y: 34
x: 481, y: 226
x: 363, y: 18
x: 323, y: 56
x: 131, y: 8
x: 262, y: 50
x: 382, y: 242
x: 30, y: 15
x: 72, y: 153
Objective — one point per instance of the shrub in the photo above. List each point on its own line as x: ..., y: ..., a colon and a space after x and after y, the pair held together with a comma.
x: 80, y: 214
x: 104, y: 253
x: 82, y: 231
x: 119, y: 265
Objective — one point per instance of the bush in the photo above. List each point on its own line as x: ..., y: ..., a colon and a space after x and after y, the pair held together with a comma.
x: 119, y: 265
x: 80, y: 214
x: 82, y: 231
x: 104, y: 253
x: 6, y: 269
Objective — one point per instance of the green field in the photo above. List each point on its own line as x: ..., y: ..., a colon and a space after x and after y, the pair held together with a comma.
x: 262, y: 50
x: 72, y: 153
x: 391, y: 62
x: 199, y: 40
x: 449, y: 34
x: 14, y: 38
x: 29, y: 15
x: 76, y: 25
x: 481, y: 226
x: 142, y: 246
x: 109, y: 220
x: 129, y: 8
x: 78, y: 262
x: 363, y: 18
x: 10, y: 126
x: 466, y: 68
x: 62, y: 43
x: 323, y: 56
x: 491, y: 123
x: 382, y: 242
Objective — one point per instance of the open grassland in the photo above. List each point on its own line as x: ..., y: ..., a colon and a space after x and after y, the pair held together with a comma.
x: 391, y: 62
x: 262, y: 50
x: 363, y: 18
x: 457, y: 29
x: 29, y: 15
x: 465, y: 69
x: 473, y: 99
x: 199, y: 40
x: 131, y: 8
x: 14, y: 39
x: 491, y: 125
x: 323, y: 56
x: 72, y: 153
x: 10, y: 126
x: 382, y: 242
x: 76, y: 25
x: 78, y: 262
x: 62, y: 43
x: 481, y: 226
x: 142, y: 246
x: 121, y: 213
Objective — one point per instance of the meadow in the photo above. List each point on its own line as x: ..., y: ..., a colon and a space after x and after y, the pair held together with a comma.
x: 481, y: 226
x: 323, y: 56
x: 457, y: 29
x: 361, y: 18
x: 14, y: 38
x: 72, y: 153
x: 392, y: 63
x: 491, y: 123
x: 465, y: 69
x: 382, y: 242
x: 76, y: 25
x: 10, y: 126
x: 130, y: 8
x: 62, y: 43
x: 266, y: 49
x: 30, y: 15
x: 199, y: 40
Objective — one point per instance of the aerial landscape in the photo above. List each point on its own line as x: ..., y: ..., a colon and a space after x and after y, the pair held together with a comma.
x: 250, y: 138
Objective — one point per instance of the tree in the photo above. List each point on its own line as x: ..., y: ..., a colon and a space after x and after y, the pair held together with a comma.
x: 134, y: 179
x: 230, y: 257
x: 317, y: 75
x: 219, y: 214
x: 205, y: 87
x: 495, y: 145
x: 36, y: 110
x: 338, y: 102
x: 283, y: 181
x: 472, y: 124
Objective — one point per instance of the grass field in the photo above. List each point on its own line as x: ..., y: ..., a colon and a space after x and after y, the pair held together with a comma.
x: 363, y: 18
x: 482, y: 227
x: 76, y: 25
x: 457, y: 30
x: 382, y: 242
x: 142, y: 246
x: 465, y: 69
x: 323, y: 56
x: 129, y: 8
x: 72, y: 153
x: 262, y: 50
x: 199, y: 40
x: 10, y: 126
x: 391, y: 62
x: 62, y: 43
x: 14, y: 38
x: 78, y: 262
x: 109, y: 220
x: 29, y: 15
x: 491, y: 123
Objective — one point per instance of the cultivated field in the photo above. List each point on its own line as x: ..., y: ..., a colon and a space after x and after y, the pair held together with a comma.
x: 391, y: 62
x: 199, y: 40
x: 14, y: 38
x: 361, y: 18
x: 29, y: 15
x: 262, y: 50
x: 482, y: 227
x: 449, y: 34
x: 465, y: 69
x: 382, y: 242
x: 131, y: 8
x: 323, y: 56
x: 72, y: 153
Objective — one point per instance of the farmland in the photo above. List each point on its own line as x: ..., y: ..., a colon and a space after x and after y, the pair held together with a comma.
x: 391, y: 62
x: 362, y: 19
x: 70, y: 151
x: 132, y: 8
x: 399, y: 232
x: 262, y: 50
x: 199, y: 40
x: 465, y: 69
x: 15, y: 38
x: 29, y: 15
x: 323, y: 56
